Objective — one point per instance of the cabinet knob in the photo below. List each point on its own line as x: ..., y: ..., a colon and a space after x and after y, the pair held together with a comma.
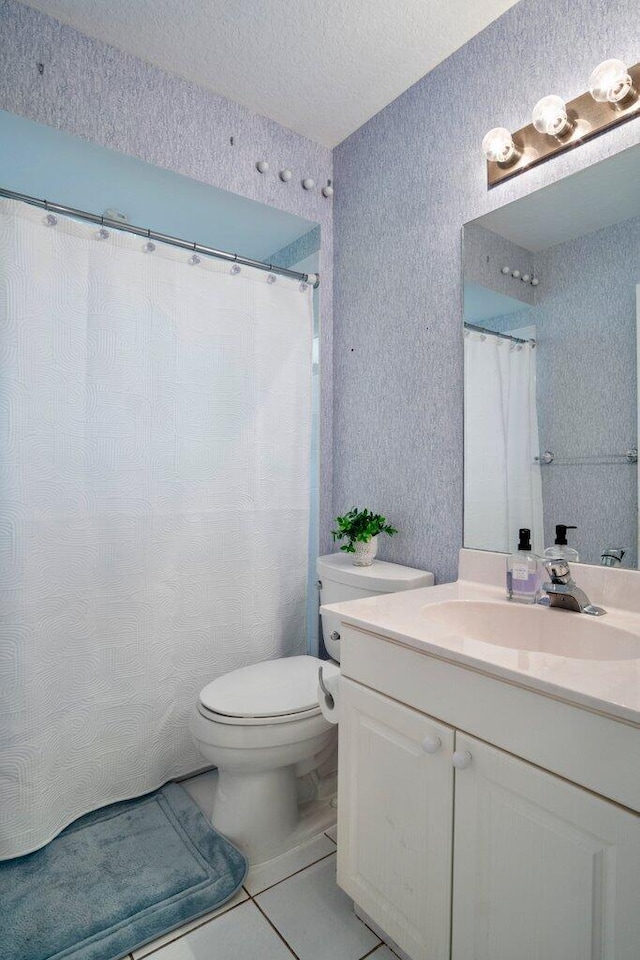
x: 431, y: 744
x: 462, y: 759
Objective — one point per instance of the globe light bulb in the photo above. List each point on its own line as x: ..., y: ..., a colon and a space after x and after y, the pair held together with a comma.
x: 550, y: 116
x: 610, y: 82
x: 498, y: 147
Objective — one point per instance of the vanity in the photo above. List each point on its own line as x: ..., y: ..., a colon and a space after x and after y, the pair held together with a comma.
x: 489, y: 769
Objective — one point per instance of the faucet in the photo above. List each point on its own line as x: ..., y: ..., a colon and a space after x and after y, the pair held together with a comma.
x: 611, y: 557
x: 564, y: 593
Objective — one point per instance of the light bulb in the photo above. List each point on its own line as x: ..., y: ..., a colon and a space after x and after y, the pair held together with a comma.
x: 610, y: 82
x: 498, y: 147
x: 550, y: 116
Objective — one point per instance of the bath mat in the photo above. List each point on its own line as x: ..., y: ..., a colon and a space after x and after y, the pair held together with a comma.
x: 116, y: 879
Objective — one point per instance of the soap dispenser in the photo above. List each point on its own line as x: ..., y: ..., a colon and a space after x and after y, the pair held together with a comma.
x: 523, y: 576
x: 560, y: 549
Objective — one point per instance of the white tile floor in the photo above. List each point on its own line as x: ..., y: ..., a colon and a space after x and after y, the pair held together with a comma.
x: 289, y: 908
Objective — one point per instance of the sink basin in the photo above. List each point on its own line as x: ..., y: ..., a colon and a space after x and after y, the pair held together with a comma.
x: 534, y: 629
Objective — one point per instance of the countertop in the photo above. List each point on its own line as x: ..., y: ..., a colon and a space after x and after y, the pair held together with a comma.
x: 610, y: 687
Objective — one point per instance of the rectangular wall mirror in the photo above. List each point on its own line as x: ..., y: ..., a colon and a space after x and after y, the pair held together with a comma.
x: 551, y: 313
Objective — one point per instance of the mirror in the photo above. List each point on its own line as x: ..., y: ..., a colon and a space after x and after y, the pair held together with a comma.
x: 551, y: 308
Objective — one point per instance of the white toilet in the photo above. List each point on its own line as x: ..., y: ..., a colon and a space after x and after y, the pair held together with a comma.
x: 261, y: 725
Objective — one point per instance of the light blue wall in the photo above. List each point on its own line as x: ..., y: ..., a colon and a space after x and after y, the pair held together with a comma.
x: 108, y: 98
x: 300, y: 249
x: 46, y: 163
x: 406, y: 182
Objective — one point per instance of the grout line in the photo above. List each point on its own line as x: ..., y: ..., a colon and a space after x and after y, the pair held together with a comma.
x: 377, y: 947
x: 294, y: 874
x: 179, y: 936
x: 330, y: 838
x: 273, y: 926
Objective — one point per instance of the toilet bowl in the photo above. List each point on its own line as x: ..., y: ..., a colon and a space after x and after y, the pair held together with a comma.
x: 262, y: 727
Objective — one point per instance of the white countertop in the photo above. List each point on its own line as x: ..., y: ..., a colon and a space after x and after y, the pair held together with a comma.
x: 610, y: 687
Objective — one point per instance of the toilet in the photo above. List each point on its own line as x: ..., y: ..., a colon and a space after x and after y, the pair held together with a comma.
x: 262, y: 727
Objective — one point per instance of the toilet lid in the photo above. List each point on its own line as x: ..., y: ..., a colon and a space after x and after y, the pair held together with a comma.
x: 274, y: 688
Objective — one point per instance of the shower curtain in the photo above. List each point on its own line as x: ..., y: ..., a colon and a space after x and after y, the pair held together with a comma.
x: 154, y: 505
x: 502, y: 483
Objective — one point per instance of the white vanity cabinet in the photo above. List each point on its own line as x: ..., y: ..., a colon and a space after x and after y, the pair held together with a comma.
x: 541, y: 868
x: 460, y: 850
x: 395, y: 809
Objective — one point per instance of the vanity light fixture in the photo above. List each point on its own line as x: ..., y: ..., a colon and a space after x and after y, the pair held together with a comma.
x: 550, y: 117
x: 498, y: 146
x: 612, y: 99
x: 611, y: 83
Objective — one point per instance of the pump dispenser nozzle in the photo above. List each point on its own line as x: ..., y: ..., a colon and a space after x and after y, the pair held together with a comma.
x: 524, y: 541
x: 560, y: 548
x: 561, y: 533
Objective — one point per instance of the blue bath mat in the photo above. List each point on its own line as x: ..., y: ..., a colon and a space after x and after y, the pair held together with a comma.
x: 116, y: 879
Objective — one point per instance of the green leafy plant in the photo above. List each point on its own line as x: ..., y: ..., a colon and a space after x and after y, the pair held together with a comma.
x: 359, y: 526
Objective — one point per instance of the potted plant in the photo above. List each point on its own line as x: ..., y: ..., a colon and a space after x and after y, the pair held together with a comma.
x: 361, y: 529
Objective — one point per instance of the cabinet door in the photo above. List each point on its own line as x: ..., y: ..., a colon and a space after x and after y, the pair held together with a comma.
x: 395, y: 811
x: 543, y: 870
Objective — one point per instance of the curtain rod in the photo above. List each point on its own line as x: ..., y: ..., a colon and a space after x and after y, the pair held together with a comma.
x: 494, y: 333
x: 312, y: 278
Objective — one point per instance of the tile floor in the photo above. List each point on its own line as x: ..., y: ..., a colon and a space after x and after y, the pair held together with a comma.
x: 288, y: 908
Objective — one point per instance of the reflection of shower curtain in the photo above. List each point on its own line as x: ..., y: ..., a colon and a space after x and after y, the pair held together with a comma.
x: 502, y: 482
x: 154, y: 505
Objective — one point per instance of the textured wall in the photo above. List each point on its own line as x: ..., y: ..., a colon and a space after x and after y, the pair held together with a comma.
x: 405, y: 184
x: 93, y: 91
x: 486, y: 252
x: 586, y: 330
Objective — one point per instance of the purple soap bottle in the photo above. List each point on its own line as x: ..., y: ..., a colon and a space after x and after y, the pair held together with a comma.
x: 523, y: 571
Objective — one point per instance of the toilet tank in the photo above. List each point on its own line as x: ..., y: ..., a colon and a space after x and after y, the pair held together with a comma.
x: 339, y: 579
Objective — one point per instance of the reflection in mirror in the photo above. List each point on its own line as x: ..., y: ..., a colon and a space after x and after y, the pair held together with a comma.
x: 551, y: 300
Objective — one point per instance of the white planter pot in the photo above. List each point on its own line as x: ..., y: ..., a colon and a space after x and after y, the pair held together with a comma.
x: 365, y: 553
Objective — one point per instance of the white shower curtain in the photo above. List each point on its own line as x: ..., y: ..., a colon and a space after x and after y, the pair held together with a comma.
x: 502, y: 484
x: 154, y: 505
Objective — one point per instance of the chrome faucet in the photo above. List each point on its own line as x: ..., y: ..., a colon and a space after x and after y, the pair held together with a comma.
x: 564, y: 593
x: 611, y: 557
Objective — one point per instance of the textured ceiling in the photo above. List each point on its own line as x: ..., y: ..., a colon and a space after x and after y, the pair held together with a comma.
x: 321, y: 68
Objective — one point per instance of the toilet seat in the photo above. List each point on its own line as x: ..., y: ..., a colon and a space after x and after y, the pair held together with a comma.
x: 271, y: 692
